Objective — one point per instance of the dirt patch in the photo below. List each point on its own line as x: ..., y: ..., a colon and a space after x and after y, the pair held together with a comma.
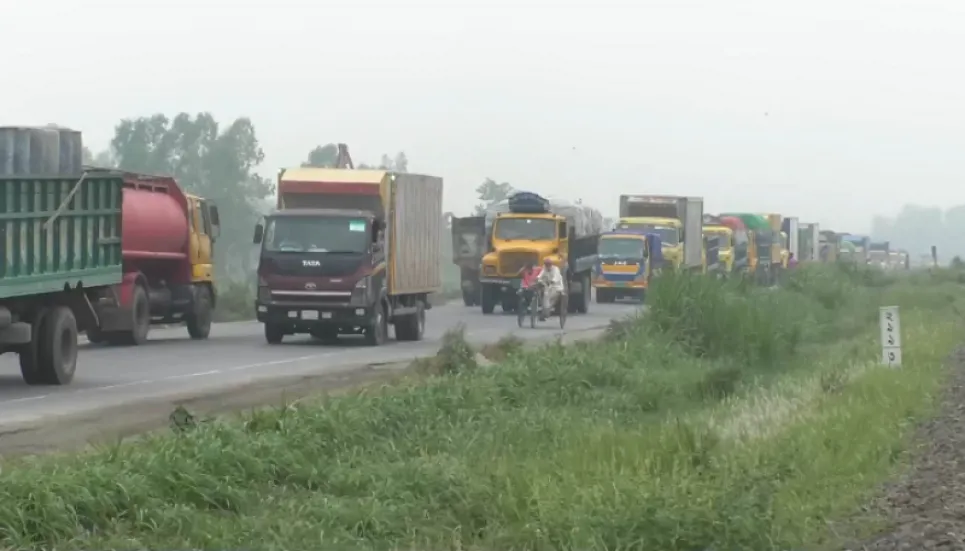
x: 925, y: 509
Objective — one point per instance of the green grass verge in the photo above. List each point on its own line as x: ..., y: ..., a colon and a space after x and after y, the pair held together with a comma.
x: 730, y: 417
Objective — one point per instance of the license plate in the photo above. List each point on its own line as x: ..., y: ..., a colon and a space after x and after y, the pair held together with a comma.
x: 326, y: 315
x: 309, y: 315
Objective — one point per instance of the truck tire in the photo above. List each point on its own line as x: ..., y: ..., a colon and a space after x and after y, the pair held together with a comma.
x: 140, y: 320
x: 467, y: 298
x: 30, y: 352
x: 488, y: 300
x: 57, y: 349
x: 583, y: 301
x: 96, y: 336
x: 199, y: 320
x: 412, y: 327
x: 274, y: 333
x: 375, y: 332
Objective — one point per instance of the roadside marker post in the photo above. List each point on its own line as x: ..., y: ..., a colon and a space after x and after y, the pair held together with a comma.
x: 890, y: 323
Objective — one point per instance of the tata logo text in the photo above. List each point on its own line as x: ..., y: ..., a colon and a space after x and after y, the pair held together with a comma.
x: 311, y: 262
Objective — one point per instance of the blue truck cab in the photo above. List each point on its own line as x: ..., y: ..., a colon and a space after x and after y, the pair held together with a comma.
x: 626, y: 261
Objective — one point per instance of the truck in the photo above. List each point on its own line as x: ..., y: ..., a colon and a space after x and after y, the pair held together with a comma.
x: 854, y: 248
x: 349, y: 252
x: 678, y: 220
x: 526, y: 229
x: 809, y: 241
x: 167, y: 245
x: 830, y: 243
x: 469, y: 242
x: 879, y: 254
x: 715, y: 228
x: 60, y: 243
x: 626, y: 262
x: 792, y: 239
x: 760, y: 246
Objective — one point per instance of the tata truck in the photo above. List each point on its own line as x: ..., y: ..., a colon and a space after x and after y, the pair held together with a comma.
x: 167, y: 247
x: 626, y: 262
x: 349, y: 252
x: 469, y: 242
x: 527, y: 229
x: 677, y: 220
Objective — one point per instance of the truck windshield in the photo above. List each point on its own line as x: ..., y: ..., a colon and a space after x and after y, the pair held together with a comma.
x: 624, y: 247
x: 533, y: 229
x: 668, y: 235
x: 317, y: 234
x: 723, y: 238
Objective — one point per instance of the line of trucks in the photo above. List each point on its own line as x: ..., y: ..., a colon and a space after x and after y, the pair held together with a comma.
x: 347, y: 251
x: 653, y: 232
x: 111, y: 253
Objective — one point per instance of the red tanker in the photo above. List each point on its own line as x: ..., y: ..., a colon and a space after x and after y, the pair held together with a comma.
x: 167, y: 263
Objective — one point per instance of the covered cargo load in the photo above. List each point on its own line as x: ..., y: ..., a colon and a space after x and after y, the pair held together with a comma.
x: 584, y: 220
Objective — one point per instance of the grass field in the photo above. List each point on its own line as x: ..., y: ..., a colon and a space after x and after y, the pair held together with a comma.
x: 730, y: 417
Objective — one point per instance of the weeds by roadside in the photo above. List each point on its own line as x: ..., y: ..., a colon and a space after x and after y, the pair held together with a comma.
x: 726, y: 418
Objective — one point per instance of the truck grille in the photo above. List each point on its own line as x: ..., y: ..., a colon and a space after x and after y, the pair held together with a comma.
x: 510, y: 263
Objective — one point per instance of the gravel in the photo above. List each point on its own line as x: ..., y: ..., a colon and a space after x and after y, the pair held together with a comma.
x: 926, y: 507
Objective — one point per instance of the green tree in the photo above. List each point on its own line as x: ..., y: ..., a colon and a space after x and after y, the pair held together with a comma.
x: 491, y: 192
x: 103, y: 159
x: 323, y: 156
x: 215, y: 162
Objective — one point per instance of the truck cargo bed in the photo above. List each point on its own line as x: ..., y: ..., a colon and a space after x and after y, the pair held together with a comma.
x: 47, y: 245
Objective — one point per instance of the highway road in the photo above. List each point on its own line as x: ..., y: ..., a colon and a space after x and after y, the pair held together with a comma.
x: 171, y: 364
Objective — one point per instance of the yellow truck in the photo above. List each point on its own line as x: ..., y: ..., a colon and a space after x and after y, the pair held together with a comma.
x: 714, y: 228
x: 677, y: 220
x: 526, y: 229
x: 626, y: 261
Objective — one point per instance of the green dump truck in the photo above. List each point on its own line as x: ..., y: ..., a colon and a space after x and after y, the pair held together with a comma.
x: 60, y: 249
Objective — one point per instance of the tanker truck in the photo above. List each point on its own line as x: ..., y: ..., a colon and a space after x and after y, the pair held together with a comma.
x: 167, y: 245
x: 348, y: 252
x: 526, y: 229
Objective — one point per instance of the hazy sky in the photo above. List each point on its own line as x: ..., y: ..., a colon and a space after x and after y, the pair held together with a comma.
x: 828, y: 110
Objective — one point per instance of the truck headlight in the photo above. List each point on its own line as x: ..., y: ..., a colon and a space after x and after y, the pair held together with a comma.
x: 264, y: 294
x: 362, y: 291
x: 489, y: 270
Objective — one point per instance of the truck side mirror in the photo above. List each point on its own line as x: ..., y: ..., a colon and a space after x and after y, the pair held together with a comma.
x: 215, y: 221
x: 259, y: 234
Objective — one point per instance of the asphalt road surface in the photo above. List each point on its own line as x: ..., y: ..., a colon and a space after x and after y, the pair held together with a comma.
x: 171, y: 364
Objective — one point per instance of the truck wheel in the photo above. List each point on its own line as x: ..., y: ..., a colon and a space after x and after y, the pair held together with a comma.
x: 30, y: 352
x: 488, y: 301
x: 411, y: 328
x: 583, y: 301
x: 140, y: 320
x: 509, y: 305
x: 58, y: 348
x: 467, y: 298
x: 199, y: 320
x: 375, y: 332
x: 274, y: 333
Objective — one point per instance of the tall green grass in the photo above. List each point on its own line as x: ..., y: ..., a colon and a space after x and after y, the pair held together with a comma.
x: 728, y: 417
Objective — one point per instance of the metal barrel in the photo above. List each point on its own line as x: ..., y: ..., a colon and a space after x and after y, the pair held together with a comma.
x: 71, y: 151
x: 14, y: 151
x: 44, y: 151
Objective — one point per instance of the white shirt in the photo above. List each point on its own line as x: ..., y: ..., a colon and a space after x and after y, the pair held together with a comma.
x: 552, y: 278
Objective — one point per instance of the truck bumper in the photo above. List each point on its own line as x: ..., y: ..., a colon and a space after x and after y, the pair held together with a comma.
x: 307, y: 316
x: 502, y: 283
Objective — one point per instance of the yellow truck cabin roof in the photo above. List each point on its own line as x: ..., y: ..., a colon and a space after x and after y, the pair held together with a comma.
x: 332, y: 175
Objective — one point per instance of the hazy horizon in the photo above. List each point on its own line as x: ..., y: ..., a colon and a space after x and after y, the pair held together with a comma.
x: 832, y: 112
